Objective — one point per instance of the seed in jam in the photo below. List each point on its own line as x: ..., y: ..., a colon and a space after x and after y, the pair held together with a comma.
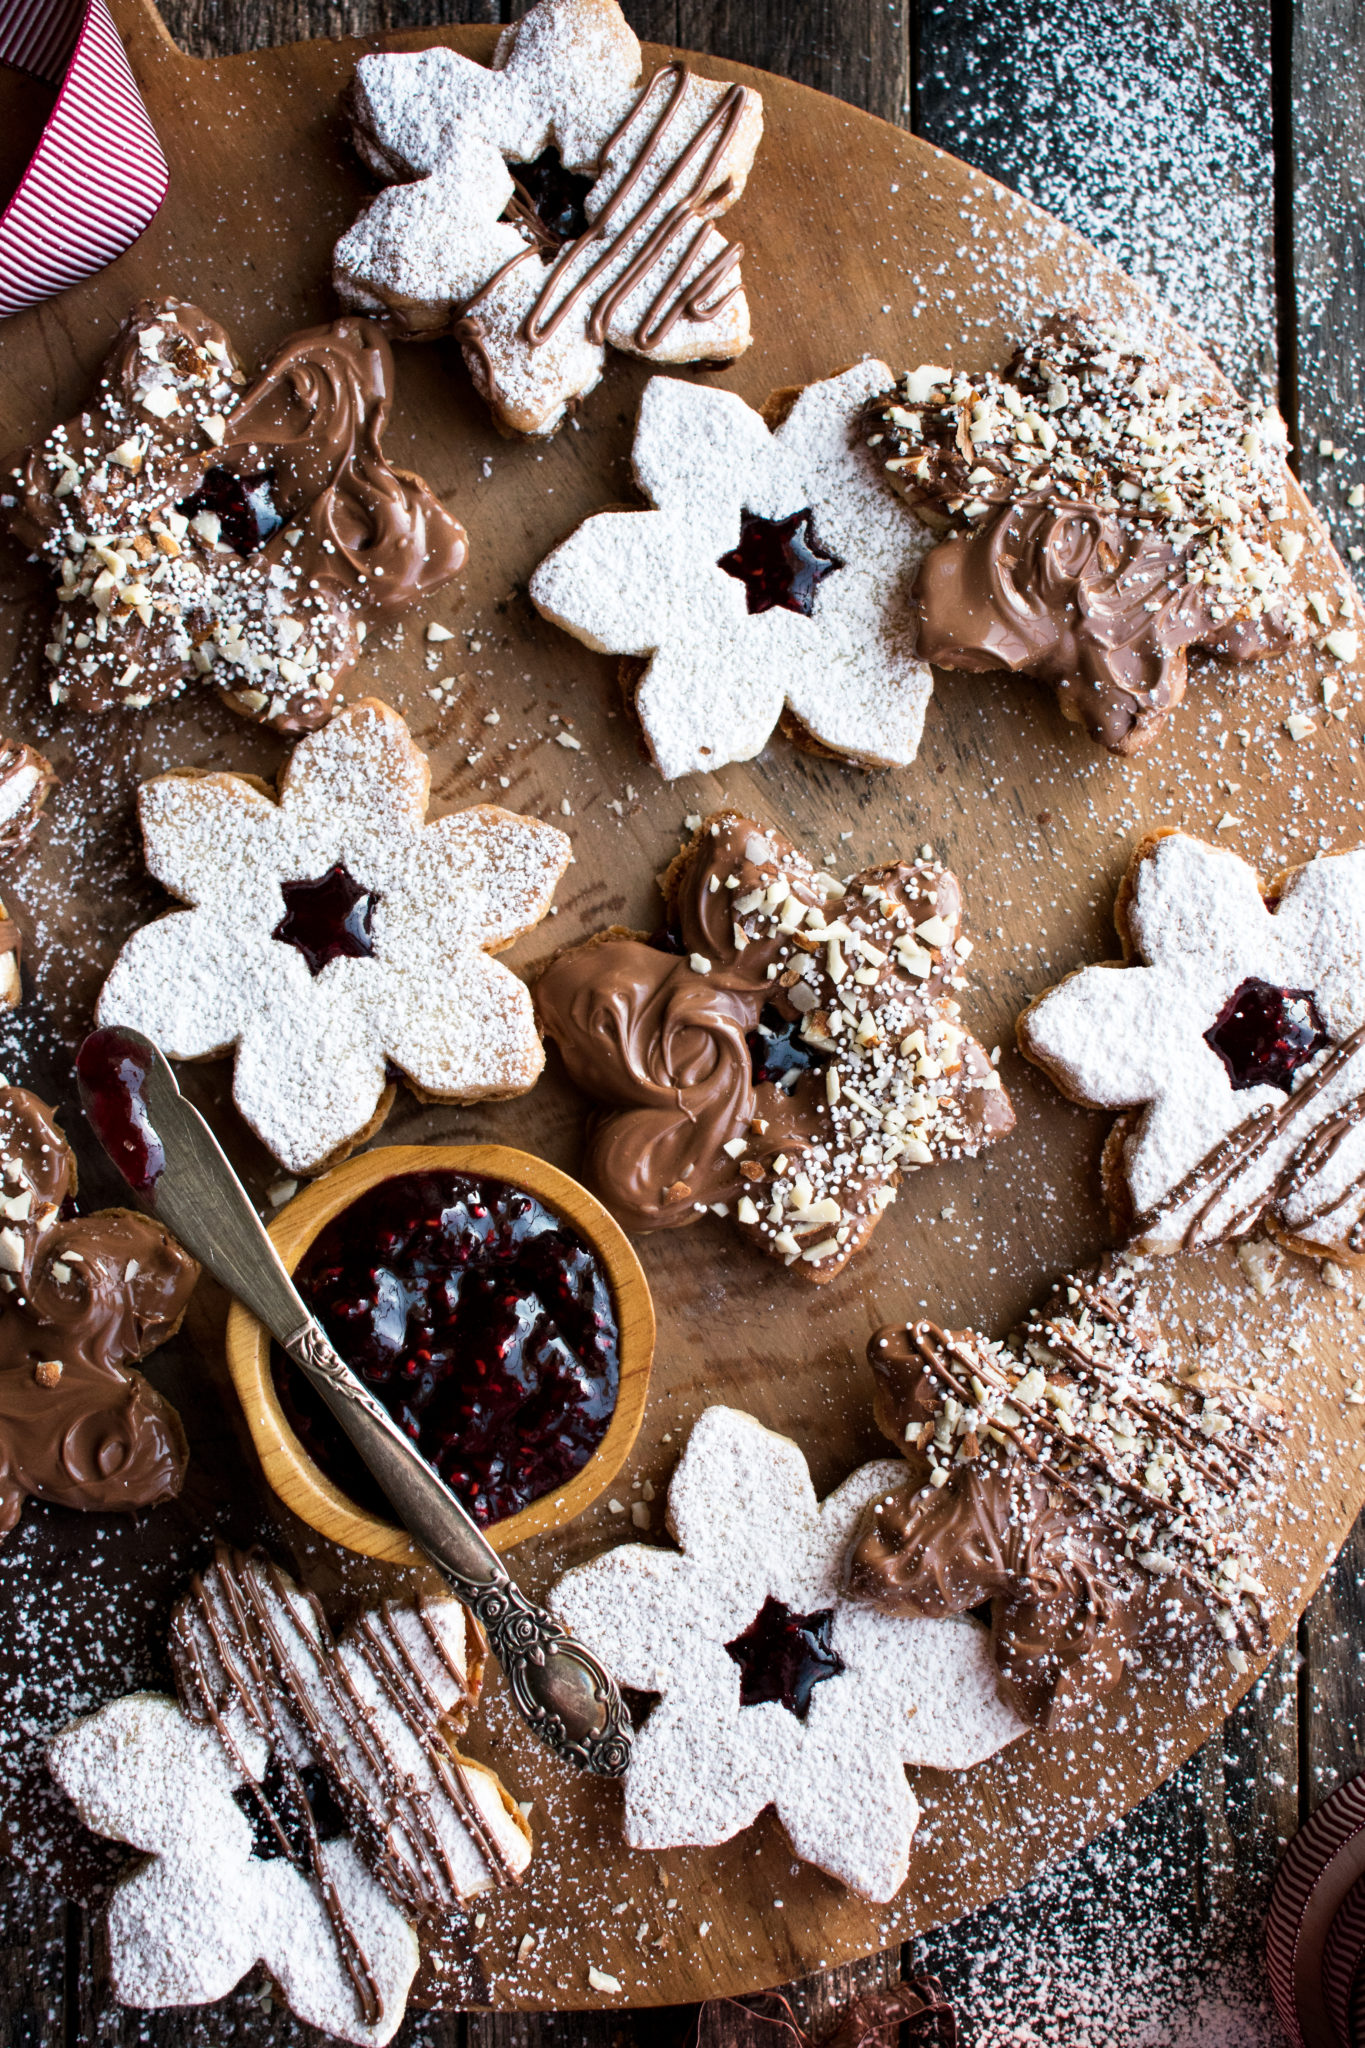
x: 482, y: 1321
x: 112, y: 1070
x: 784, y: 1656
x: 1265, y: 1034
x: 778, y: 562
x: 278, y: 1795
x: 328, y: 919
x: 551, y: 196
x: 245, y: 505
x: 778, y: 1052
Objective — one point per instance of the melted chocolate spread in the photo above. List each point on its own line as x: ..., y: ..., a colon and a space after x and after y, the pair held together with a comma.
x: 355, y: 539
x: 670, y: 1050
x: 81, y: 1297
x: 1072, y: 559
x: 1076, y: 1555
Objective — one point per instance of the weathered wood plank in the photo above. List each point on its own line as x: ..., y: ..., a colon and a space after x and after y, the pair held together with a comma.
x: 1325, y: 198
x: 1148, y: 129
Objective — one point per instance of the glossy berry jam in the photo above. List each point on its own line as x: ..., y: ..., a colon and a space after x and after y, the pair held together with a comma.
x: 480, y: 1319
x: 245, y: 505
x: 783, y: 1656
x: 112, y: 1070
x: 328, y: 919
x: 281, y: 1796
x: 778, y: 563
x: 778, y: 1052
x: 553, y: 195
x: 1265, y: 1034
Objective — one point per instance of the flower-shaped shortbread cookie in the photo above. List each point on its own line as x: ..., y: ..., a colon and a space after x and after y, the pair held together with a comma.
x: 334, y: 931
x: 775, y: 570
x: 776, y: 1689
x: 1235, y: 1042
x: 300, y: 1806
x: 550, y: 207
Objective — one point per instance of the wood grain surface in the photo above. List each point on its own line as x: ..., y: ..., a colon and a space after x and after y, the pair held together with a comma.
x: 975, y: 79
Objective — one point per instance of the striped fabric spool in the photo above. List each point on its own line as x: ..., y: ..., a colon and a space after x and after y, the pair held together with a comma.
x: 1310, y: 1960
x: 98, y: 174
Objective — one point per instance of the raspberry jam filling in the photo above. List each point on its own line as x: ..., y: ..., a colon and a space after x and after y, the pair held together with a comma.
x: 112, y: 1070
x: 1265, y: 1034
x: 551, y: 196
x: 278, y: 1828
x: 243, y: 505
x: 482, y: 1321
x: 784, y: 1656
x: 778, y: 562
x: 778, y: 1052
x: 328, y: 919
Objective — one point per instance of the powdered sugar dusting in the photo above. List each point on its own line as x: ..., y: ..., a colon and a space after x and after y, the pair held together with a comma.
x: 650, y: 584
x: 312, y: 1049
x: 743, y: 1509
x: 1201, y: 929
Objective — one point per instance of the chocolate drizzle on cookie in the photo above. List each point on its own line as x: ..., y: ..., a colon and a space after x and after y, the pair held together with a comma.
x: 199, y: 526
x: 1104, y: 519
x: 1272, y: 1159
x: 1066, y: 1477
x: 688, y: 190
x: 247, y: 1642
x: 761, y: 946
x: 81, y: 1297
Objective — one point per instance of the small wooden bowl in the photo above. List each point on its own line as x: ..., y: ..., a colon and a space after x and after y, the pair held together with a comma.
x: 292, y: 1473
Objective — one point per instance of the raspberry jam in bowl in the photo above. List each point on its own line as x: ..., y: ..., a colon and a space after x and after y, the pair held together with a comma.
x: 490, y: 1304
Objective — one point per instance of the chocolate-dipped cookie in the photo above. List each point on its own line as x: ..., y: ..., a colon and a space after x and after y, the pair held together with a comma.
x: 1069, y: 1479
x: 784, y: 1051
x: 81, y: 1298
x: 1102, y: 518
x: 248, y: 534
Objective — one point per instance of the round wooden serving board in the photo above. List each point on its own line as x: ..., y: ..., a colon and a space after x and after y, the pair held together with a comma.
x: 860, y: 239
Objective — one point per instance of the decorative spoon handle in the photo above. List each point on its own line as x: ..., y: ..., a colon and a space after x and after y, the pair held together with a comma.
x: 170, y: 1157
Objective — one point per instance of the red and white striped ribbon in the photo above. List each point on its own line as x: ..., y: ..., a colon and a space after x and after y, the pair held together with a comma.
x: 1317, y: 1896
x: 98, y: 174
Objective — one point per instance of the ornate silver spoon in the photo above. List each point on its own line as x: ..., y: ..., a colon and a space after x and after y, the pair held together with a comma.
x: 171, y: 1159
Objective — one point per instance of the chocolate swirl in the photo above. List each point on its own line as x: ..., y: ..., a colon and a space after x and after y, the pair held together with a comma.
x: 1104, y: 522
x: 671, y: 1036
x: 316, y: 417
x: 1064, y: 1478
x: 80, y: 1298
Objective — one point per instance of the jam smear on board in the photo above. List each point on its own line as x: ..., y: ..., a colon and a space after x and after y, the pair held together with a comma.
x: 1265, y: 1034
x: 328, y: 919
x: 784, y: 1656
x: 482, y: 1321
x: 112, y: 1070
x: 778, y: 562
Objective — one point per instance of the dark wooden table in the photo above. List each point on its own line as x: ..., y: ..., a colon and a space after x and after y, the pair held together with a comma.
x: 1217, y: 148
